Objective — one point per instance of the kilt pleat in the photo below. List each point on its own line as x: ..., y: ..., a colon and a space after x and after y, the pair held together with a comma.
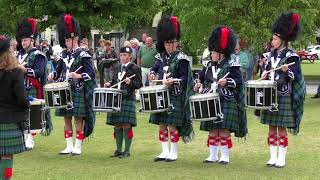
x: 79, y: 105
x: 283, y: 117
x: 230, y: 119
x: 127, y: 114
x: 173, y: 117
x: 11, y: 139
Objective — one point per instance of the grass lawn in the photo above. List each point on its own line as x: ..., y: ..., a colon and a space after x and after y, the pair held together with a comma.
x: 311, y: 69
x: 247, y: 158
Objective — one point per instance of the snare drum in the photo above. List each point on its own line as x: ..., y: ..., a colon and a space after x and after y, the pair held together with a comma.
x: 206, y: 107
x: 36, y: 118
x: 107, y: 100
x: 261, y: 94
x: 154, y: 99
x: 58, y: 95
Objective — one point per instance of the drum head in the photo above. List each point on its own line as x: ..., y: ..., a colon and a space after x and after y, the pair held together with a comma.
x: 37, y: 102
x: 58, y: 85
x: 201, y: 97
x: 153, y: 89
x: 108, y: 90
x: 261, y: 83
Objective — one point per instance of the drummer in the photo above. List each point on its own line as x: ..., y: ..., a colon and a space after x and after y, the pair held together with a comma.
x: 75, y: 66
x: 124, y: 120
x: 34, y: 66
x: 172, y: 63
x: 290, y: 87
x: 212, y: 78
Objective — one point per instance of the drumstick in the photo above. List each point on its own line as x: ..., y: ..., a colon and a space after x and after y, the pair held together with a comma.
x: 78, y: 69
x: 122, y: 81
x: 161, y: 80
x: 277, y: 69
x: 74, y: 72
x: 225, y: 75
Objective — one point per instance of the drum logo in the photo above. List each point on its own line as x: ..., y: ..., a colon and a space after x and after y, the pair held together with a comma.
x: 160, y: 102
x: 258, y: 97
x: 56, y: 99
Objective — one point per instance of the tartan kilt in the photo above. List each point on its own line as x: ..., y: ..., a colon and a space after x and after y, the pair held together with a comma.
x: 231, y: 115
x: 32, y: 92
x: 11, y: 139
x: 126, y: 115
x: 174, y: 116
x: 79, y: 105
x: 283, y: 117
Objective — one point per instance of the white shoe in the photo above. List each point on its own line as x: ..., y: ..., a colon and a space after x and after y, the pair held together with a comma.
x: 29, y: 142
x: 165, y: 152
x: 281, y: 157
x: 173, y: 155
x: 213, y: 154
x: 273, y: 155
x: 224, y: 150
x: 68, y: 149
x: 77, y: 147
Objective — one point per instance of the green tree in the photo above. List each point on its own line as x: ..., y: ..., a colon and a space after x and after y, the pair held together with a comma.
x: 100, y: 14
x: 250, y: 19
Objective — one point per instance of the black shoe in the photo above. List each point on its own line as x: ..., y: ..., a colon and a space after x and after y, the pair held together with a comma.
x: 270, y: 165
x: 159, y: 159
x: 116, y: 154
x: 316, y: 96
x: 125, y: 154
x: 170, y: 160
x: 208, y: 162
x: 223, y: 162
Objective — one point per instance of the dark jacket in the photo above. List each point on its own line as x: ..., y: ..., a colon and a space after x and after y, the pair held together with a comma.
x: 136, y: 82
x: 13, y: 98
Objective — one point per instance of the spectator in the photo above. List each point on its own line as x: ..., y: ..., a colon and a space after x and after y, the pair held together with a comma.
x: 13, y: 47
x: 84, y: 44
x: 243, y: 59
x: 46, y: 48
x: 106, y: 61
x: 126, y: 44
x: 143, y: 39
x: 145, y: 59
x: 135, y: 45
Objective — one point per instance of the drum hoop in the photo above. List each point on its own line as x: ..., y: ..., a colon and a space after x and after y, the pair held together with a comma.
x: 263, y: 83
x: 202, y: 97
x: 59, y: 86
x: 153, y: 89
x: 103, y: 90
x: 155, y: 111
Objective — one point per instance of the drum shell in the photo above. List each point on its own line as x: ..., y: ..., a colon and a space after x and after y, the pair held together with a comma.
x: 57, y: 95
x: 107, y: 100
x: 35, y: 122
x: 261, y: 94
x: 205, y: 107
x: 154, y: 99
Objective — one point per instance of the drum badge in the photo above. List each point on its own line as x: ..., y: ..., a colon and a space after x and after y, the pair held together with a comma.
x: 56, y: 99
x: 160, y: 102
x: 258, y: 98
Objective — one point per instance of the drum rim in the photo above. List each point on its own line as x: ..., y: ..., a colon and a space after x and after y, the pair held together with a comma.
x: 148, y: 89
x: 263, y: 83
x: 204, y: 119
x: 37, y: 102
x: 155, y: 111
x: 109, y: 89
x: 46, y: 86
x: 206, y: 96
